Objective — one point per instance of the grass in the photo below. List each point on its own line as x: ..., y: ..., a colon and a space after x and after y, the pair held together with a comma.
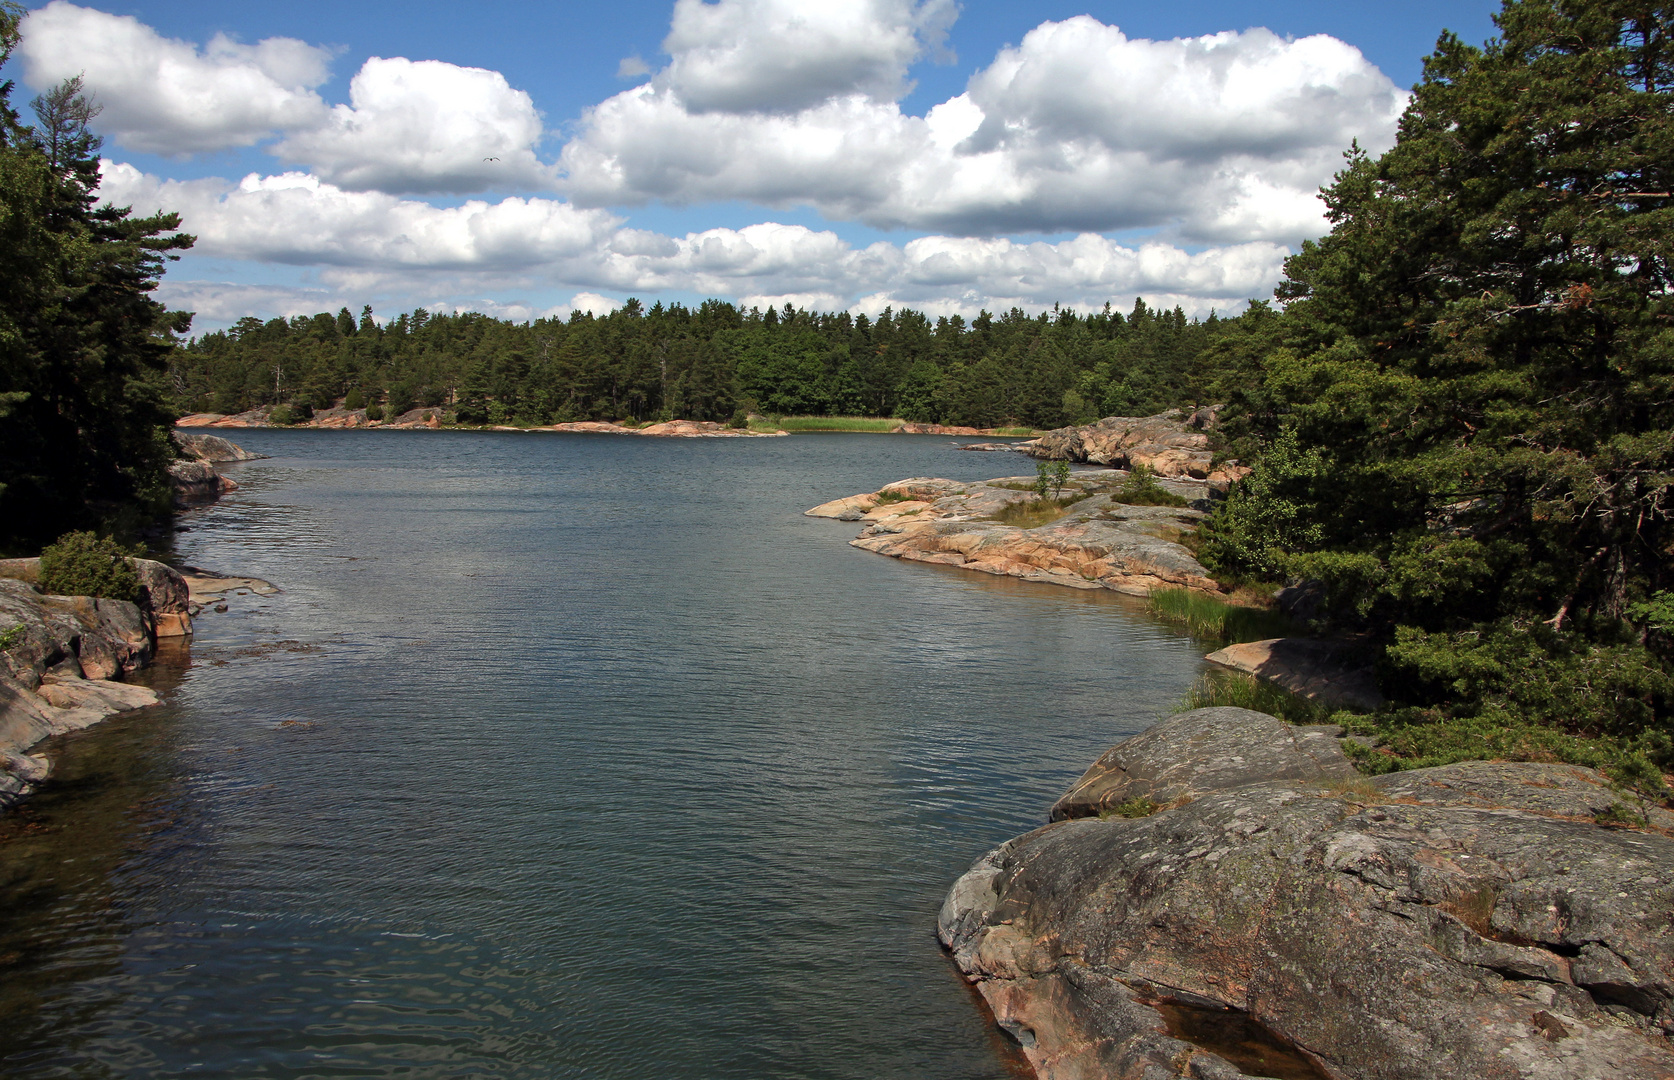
x: 1215, y: 619
x: 793, y: 424
x: 1016, y: 432
x: 1137, y: 807
x: 12, y: 637
x: 1248, y: 692
x: 1034, y: 513
x: 888, y: 496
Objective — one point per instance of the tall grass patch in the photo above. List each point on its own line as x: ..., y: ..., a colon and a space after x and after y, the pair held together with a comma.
x: 1217, y: 620
x: 1248, y: 692
x: 874, y: 424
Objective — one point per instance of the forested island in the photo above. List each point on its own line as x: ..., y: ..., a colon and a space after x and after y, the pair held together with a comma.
x: 1039, y: 370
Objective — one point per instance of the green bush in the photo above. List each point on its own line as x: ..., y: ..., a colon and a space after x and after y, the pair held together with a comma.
x: 283, y: 415
x: 82, y: 564
x: 374, y: 412
x: 355, y: 400
x: 1141, y: 489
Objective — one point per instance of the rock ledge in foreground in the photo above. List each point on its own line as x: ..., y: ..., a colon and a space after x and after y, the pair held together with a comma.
x: 1471, y: 920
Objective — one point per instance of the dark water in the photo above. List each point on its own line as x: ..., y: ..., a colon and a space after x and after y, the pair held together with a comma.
x: 559, y: 756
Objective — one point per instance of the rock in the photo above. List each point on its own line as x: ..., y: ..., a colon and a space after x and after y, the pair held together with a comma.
x: 200, y: 447
x: 42, y: 688
x: 416, y: 418
x: 1470, y: 920
x: 989, y: 446
x: 207, y: 586
x: 701, y: 429
x: 849, y: 509
x: 1171, y: 444
x: 588, y: 425
x: 164, y: 597
x: 1325, y: 671
x: 257, y: 417
x: 196, y: 483
x: 111, y: 697
x: 1204, y: 750
x: 1097, y: 544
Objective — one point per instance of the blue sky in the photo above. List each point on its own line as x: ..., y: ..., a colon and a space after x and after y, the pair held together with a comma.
x: 526, y: 159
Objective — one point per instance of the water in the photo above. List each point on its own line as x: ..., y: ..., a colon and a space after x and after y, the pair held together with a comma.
x: 558, y: 756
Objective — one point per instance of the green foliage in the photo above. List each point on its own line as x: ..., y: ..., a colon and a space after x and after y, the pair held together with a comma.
x: 1037, y: 512
x: 1012, y: 370
x: 1248, y: 692
x: 355, y: 399
x: 1137, y: 807
x: 83, y: 347
x: 1215, y: 619
x: 13, y: 637
x: 1416, y: 739
x: 374, y: 412
x: 1051, y: 476
x: 1141, y: 489
x: 283, y: 414
x: 1534, y: 675
x: 1621, y: 815
x: 1462, y: 419
x: 874, y: 424
x: 83, y: 564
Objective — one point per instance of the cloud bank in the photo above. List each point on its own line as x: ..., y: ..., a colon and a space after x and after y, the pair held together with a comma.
x: 1215, y: 145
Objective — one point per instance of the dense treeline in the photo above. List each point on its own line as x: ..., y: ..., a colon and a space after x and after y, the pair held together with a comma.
x: 712, y: 362
x: 84, y: 350
x: 1463, y: 422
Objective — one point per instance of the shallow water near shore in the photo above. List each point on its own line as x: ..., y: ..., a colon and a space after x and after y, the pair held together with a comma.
x: 558, y: 756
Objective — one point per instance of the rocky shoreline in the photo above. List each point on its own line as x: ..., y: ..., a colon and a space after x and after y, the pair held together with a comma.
x: 1098, y: 542
x: 1266, y: 911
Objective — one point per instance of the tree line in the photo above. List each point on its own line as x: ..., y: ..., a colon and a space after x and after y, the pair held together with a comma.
x: 713, y: 362
x: 84, y: 349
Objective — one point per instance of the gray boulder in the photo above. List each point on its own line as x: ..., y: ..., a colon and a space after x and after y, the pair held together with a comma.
x: 200, y: 447
x: 1474, y: 920
x: 1204, y: 750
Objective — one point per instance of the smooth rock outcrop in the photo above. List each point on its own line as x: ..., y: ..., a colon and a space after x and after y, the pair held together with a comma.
x: 57, y: 678
x: 1171, y: 444
x: 1186, y: 755
x: 1472, y: 920
x: 196, y: 483
x: 164, y: 597
x: 702, y: 429
x: 212, y: 448
x: 1325, y: 671
x: 1098, y: 543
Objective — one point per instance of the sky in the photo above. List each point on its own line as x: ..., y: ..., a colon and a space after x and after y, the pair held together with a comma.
x: 531, y: 160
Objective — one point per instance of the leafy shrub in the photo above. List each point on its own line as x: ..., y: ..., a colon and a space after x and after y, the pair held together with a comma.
x: 1137, y: 807
x: 1141, y: 489
x: 1051, y: 476
x: 12, y: 637
x: 283, y: 415
x: 374, y: 412
x: 355, y: 400
x: 82, y: 564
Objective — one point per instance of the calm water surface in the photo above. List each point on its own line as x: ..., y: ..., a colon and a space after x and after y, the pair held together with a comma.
x: 558, y: 756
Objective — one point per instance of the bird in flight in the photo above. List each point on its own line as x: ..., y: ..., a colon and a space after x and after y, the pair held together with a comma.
x: 491, y: 159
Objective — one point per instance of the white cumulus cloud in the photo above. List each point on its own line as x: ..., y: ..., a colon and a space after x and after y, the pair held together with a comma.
x: 786, y: 55
x: 1222, y: 137
x: 169, y: 97
x: 370, y: 243
x: 425, y: 126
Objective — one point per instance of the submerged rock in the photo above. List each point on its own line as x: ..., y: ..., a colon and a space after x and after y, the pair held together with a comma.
x: 1472, y: 920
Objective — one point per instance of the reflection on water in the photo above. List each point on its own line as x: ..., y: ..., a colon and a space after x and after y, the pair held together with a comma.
x: 558, y: 756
